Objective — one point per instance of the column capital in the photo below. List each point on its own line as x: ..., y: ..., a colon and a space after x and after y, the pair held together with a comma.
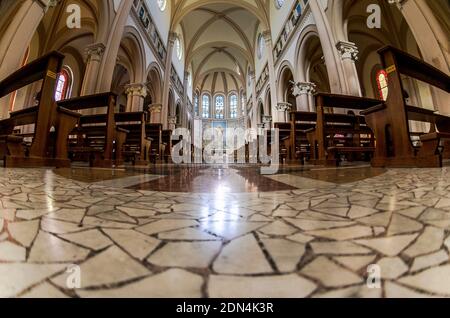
x: 155, y: 108
x: 136, y: 90
x: 267, y: 35
x: 284, y: 107
x: 303, y: 88
x: 47, y: 4
x: 252, y: 75
x: 348, y: 50
x: 173, y: 36
x: 399, y: 3
x: 94, y: 51
x: 172, y: 120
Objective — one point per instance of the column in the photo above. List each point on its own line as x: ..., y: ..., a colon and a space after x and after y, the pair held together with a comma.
x: 172, y: 120
x: 16, y: 39
x: 284, y: 108
x: 168, y: 69
x: 94, y: 54
x: 334, y: 66
x: 136, y: 94
x: 254, y: 100
x: 349, y: 55
x: 184, y: 106
x: 272, y: 77
x: 108, y: 62
x: 155, y: 113
x: 304, y: 92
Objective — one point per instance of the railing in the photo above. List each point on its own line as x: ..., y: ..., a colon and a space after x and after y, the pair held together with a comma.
x: 263, y: 78
x: 151, y: 31
x: 289, y: 27
x: 143, y: 14
x: 176, y: 81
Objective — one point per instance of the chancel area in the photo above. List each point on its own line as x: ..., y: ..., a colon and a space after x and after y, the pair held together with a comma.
x: 224, y: 149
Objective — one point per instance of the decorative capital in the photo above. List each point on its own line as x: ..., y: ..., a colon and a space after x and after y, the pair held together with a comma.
x: 136, y: 90
x: 155, y: 108
x: 47, y: 4
x: 172, y: 120
x: 348, y: 50
x: 173, y: 36
x: 303, y: 88
x: 399, y: 3
x: 267, y: 119
x: 252, y: 75
x: 267, y: 35
x: 284, y: 107
x: 94, y: 52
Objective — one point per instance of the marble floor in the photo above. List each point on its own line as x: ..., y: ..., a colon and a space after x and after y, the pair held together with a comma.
x: 224, y: 232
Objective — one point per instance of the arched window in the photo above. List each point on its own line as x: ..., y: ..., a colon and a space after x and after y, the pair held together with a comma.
x: 233, y: 106
x: 162, y: 4
x: 62, y: 86
x: 205, y: 106
x: 382, y: 82
x: 279, y: 3
x: 220, y: 107
x: 261, y: 46
x: 196, y: 110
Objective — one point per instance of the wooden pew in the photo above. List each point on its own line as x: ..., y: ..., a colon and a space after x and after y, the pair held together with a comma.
x: 97, y: 138
x: 137, y: 145
x: 390, y: 121
x: 168, y: 144
x: 154, y: 131
x: 301, y: 122
x: 51, y: 123
x: 285, y: 141
x: 340, y: 134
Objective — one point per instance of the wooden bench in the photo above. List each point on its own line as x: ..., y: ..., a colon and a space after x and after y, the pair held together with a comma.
x: 301, y: 122
x: 391, y: 121
x: 284, y: 130
x: 154, y: 131
x: 137, y: 145
x: 51, y: 123
x: 341, y: 134
x: 168, y: 144
x: 96, y: 138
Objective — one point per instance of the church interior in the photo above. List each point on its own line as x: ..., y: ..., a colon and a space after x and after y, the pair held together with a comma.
x: 224, y: 149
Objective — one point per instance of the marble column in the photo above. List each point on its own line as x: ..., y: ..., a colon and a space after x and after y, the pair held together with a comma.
x: 267, y: 122
x: 432, y: 40
x: 94, y: 54
x: 136, y: 94
x: 272, y: 77
x: 172, y: 120
x: 335, y: 68
x: 114, y: 38
x: 304, y: 93
x: 16, y: 39
x: 349, y: 55
x: 254, y: 100
x: 155, y: 113
x: 184, y: 105
x: 168, y: 69
x: 284, y: 108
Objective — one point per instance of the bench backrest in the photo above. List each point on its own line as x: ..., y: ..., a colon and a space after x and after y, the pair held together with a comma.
x: 45, y: 68
x: 99, y: 101
x: 391, y: 120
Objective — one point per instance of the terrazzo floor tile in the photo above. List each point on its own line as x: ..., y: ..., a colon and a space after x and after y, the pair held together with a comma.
x: 301, y: 233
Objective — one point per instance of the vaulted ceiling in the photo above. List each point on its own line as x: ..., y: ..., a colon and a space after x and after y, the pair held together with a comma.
x: 220, y: 36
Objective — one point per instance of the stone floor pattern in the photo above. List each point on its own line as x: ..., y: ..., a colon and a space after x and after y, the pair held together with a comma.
x: 316, y: 241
